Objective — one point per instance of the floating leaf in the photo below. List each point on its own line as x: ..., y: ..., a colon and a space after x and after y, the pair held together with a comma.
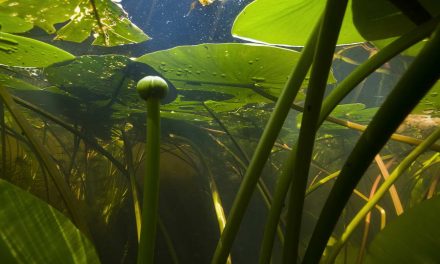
x: 410, y: 238
x: 227, y: 73
x: 379, y: 19
x: 31, y: 231
x: 287, y: 22
x: 26, y: 52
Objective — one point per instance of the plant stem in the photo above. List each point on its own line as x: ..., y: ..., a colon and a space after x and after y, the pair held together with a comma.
x: 325, y: 47
x: 260, y: 157
x: 151, y: 184
x: 133, y: 186
x: 422, y: 73
x: 3, y: 139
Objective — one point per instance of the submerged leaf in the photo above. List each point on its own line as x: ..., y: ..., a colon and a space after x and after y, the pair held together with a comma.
x: 31, y: 231
x: 410, y: 238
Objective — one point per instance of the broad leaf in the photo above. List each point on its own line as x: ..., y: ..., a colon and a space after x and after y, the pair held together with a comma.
x: 31, y: 231
x: 230, y: 74
x: 287, y: 22
x: 380, y: 19
x: 26, y: 52
x: 413, y: 237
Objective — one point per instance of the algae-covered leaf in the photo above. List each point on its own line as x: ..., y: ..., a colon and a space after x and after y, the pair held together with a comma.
x: 108, y: 21
x: 413, y: 237
x: 379, y: 19
x: 42, y: 13
x: 26, y: 52
x: 31, y: 231
x: 287, y: 22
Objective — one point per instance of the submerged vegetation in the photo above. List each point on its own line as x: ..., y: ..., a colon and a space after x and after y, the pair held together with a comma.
x: 312, y: 139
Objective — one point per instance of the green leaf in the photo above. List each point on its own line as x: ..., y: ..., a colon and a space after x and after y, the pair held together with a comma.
x: 287, y: 22
x: 31, y: 231
x: 26, y: 52
x: 112, y: 29
x: 413, y: 237
x: 380, y: 19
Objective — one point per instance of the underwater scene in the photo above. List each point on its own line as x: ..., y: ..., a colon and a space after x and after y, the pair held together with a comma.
x: 219, y: 131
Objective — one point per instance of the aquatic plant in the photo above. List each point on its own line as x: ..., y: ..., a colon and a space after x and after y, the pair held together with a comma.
x: 92, y: 100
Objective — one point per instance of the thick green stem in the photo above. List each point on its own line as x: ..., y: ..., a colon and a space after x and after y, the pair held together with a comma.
x: 368, y: 67
x: 284, y: 179
x: 151, y: 184
x: 260, y: 157
x: 422, y: 73
x: 383, y: 189
x: 325, y: 47
x: 3, y: 139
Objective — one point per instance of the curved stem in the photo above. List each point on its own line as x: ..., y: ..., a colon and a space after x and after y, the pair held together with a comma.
x: 151, y: 184
x: 422, y: 73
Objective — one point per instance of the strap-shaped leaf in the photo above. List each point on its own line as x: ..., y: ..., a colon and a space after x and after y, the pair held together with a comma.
x: 31, y: 231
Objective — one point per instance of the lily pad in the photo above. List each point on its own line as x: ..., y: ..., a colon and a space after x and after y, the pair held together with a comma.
x: 237, y: 70
x: 287, y: 22
x: 379, y: 19
x: 26, y: 52
x: 31, y: 231
x: 410, y: 238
